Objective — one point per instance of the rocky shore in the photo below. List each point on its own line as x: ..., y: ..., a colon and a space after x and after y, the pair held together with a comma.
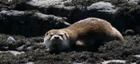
x: 24, y: 22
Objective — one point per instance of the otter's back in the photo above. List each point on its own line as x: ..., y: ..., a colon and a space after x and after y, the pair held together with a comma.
x: 90, y: 25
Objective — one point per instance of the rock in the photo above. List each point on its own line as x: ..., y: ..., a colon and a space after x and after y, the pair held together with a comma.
x: 114, y: 61
x: 23, y: 22
x: 10, y: 39
x: 12, y: 52
x: 105, y: 7
x: 30, y: 63
x: 137, y: 56
x: 122, y: 51
x: 47, y: 17
x: 6, y: 57
x: 129, y: 32
x: 127, y: 18
x: 74, y: 12
x: 104, y: 10
x: 12, y: 13
x: 20, y: 48
x: 44, y: 3
x: 29, y: 23
x: 133, y: 1
x: 10, y: 4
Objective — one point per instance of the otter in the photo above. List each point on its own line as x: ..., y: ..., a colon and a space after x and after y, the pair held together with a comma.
x: 86, y: 34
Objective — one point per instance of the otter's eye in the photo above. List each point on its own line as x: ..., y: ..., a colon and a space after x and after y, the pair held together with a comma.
x: 60, y: 35
x: 46, y: 34
x: 51, y: 34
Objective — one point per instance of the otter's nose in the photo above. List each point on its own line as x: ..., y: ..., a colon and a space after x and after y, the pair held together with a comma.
x: 56, y: 37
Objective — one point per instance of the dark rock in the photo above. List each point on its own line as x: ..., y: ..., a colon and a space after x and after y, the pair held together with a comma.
x: 104, y: 10
x: 74, y: 11
x: 32, y: 18
x: 127, y: 18
x: 29, y: 23
x: 10, y: 39
x: 103, y: 7
x: 119, y: 12
x: 10, y: 4
x: 21, y: 43
x: 113, y: 50
x: 129, y: 32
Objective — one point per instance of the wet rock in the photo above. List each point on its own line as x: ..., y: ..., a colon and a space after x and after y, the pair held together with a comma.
x: 20, y: 48
x: 104, y: 10
x: 45, y: 3
x: 113, y: 50
x: 10, y: 39
x: 129, y: 32
x: 57, y: 19
x: 103, y: 7
x: 8, y: 58
x: 119, y: 13
x: 133, y: 1
x: 21, y: 43
x: 30, y: 63
x: 114, y: 61
x: 9, y: 45
x: 32, y: 18
x: 127, y: 17
x: 72, y: 10
x: 10, y: 4
x: 29, y: 23
x: 12, y: 52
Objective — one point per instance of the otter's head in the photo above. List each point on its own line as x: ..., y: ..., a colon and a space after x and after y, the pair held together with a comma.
x: 56, y: 40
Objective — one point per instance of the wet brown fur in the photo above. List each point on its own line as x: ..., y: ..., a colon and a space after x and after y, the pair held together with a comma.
x: 89, y: 31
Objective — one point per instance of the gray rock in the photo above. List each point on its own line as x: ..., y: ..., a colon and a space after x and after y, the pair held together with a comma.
x: 29, y: 23
x: 11, y: 40
x: 44, y: 3
x: 15, y: 53
x: 47, y: 17
x: 138, y: 56
x: 133, y: 1
x: 114, y: 61
x: 103, y: 7
x: 10, y: 4
x: 20, y: 48
x: 12, y: 13
x: 30, y: 63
